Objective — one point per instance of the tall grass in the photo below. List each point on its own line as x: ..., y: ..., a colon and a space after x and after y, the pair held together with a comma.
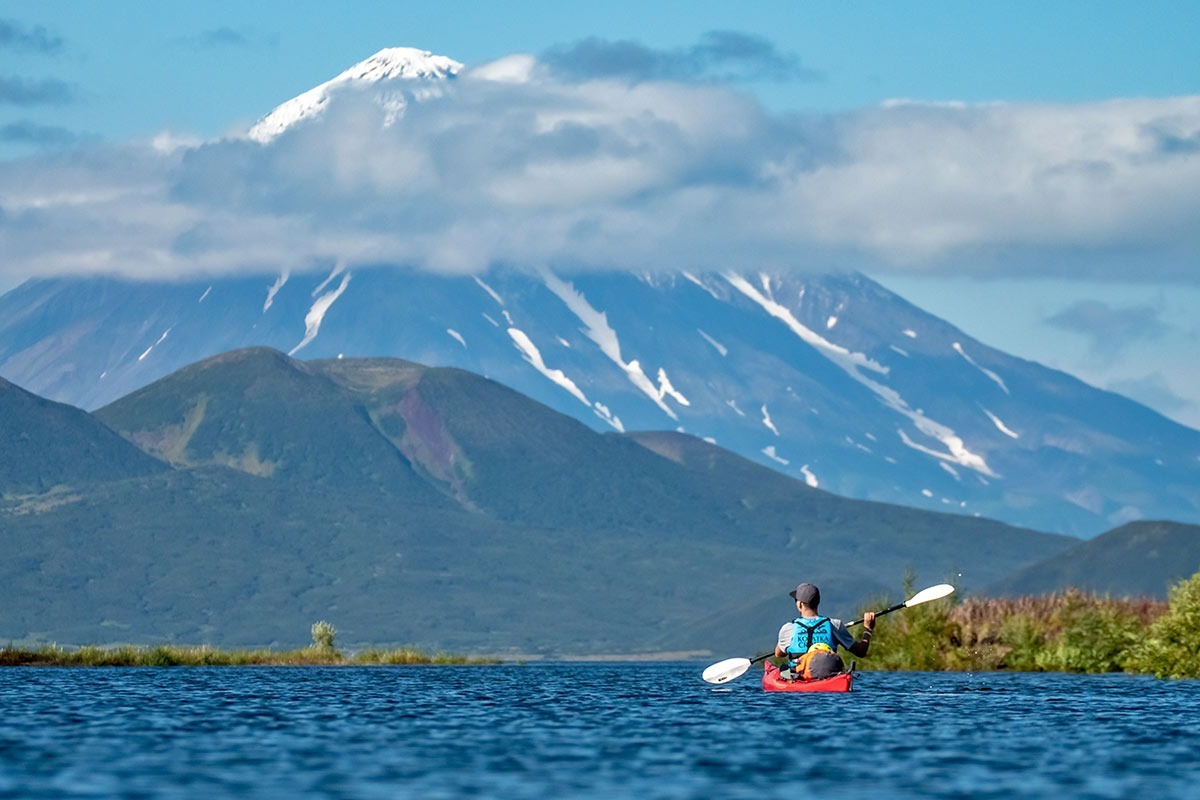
x: 204, y: 656
x: 1064, y: 632
x: 321, y: 652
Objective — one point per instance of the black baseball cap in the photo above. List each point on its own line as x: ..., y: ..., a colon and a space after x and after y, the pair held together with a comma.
x: 806, y: 593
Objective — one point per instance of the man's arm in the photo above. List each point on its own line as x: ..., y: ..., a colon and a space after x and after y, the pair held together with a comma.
x: 783, y: 639
x: 860, y: 647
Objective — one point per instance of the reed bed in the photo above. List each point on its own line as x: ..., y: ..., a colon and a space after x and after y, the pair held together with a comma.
x: 1069, y: 631
x: 322, y: 652
x: 203, y: 656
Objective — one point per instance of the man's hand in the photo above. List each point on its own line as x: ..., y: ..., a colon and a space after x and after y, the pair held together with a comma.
x: 869, y: 621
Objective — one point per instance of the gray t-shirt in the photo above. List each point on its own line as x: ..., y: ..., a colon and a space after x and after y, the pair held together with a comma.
x: 841, y: 634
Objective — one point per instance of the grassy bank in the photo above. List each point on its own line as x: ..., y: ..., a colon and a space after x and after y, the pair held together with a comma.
x: 174, y: 655
x: 1066, y: 632
x: 322, y: 652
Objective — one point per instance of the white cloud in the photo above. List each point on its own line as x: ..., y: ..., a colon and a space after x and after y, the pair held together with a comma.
x: 542, y: 170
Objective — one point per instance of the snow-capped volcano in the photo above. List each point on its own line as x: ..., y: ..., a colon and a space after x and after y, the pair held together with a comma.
x: 391, y: 63
x: 830, y: 379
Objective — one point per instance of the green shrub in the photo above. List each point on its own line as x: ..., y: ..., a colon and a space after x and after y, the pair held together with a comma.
x: 916, y: 638
x: 1094, y: 638
x: 322, y: 635
x: 1021, y: 639
x: 1171, y: 646
x: 1062, y: 632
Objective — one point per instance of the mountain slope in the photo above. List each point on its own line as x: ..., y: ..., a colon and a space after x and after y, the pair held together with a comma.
x: 528, y: 518
x: 260, y: 412
x: 44, y: 445
x: 1141, y: 559
x: 829, y: 379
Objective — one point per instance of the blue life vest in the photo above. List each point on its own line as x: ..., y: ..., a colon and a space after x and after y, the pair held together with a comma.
x: 807, y: 631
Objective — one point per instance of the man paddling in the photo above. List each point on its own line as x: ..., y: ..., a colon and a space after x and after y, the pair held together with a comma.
x: 810, y: 641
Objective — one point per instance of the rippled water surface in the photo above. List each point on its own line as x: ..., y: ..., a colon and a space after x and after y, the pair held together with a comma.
x: 592, y: 730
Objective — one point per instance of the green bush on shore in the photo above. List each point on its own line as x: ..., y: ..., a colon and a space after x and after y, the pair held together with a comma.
x: 1171, y: 648
x: 322, y: 636
x: 1065, y: 632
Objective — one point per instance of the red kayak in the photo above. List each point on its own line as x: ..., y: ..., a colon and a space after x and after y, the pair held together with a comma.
x: 771, y: 682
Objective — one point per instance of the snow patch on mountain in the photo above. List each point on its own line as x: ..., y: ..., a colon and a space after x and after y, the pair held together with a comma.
x: 958, y: 453
x: 599, y: 331
x: 766, y: 420
x: 720, y: 348
x: 689, y: 276
x: 407, y: 63
x: 337, y: 270
x: 809, y: 477
x: 851, y: 363
x: 1000, y: 425
x: 316, y: 314
x: 958, y: 348
x: 273, y: 290
x: 533, y: 355
x: 494, y: 294
x: 769, y: 452
x: 665, y: 389
x: 142, y: 357
x: 602, y: 411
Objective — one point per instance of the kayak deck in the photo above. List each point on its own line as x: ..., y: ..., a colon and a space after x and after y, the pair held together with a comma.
x: 772, y: 682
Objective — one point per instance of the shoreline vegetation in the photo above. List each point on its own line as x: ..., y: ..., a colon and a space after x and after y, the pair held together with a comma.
x: 1069, y: 631
x: 169, y: 655
x: 321, y: 653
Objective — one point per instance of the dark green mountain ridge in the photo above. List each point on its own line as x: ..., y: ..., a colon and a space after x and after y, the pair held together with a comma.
x: 430, y: 506
x: 48, y: 445
x: 1138, y: 559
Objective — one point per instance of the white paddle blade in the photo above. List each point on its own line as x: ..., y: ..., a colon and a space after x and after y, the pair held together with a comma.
x: 727, y: 670
x: 932, y: 593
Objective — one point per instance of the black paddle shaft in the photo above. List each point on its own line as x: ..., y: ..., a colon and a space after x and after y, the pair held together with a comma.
x: 896, y: 607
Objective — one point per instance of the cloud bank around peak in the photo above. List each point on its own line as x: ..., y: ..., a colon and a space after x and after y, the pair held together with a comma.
x: 615, y: 156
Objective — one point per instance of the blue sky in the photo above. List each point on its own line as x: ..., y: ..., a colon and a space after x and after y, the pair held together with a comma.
x: 1099, y: 277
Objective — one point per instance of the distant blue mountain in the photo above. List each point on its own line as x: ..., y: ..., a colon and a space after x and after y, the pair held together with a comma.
x: 830, y: 379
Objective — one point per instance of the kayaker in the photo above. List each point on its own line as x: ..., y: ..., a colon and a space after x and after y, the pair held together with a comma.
x: 810, y: 641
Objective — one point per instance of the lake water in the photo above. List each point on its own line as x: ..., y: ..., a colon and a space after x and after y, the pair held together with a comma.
x: 589, y: 731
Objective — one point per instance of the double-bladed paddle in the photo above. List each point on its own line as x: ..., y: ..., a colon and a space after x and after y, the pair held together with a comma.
x: 730, y: 668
